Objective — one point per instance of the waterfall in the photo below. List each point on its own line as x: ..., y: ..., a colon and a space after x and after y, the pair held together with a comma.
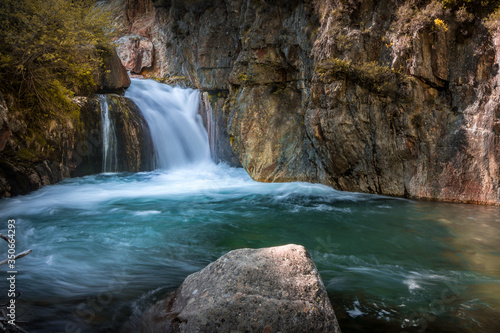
x: 177, y: 130
x: 110, y: 158
x: 210, y: 125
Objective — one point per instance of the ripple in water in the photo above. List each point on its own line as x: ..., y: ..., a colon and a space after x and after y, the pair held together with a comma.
x: 388, y: 264
x: 107, y: 246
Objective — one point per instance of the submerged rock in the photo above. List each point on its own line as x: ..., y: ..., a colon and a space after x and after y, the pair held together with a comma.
x: 275, y: 289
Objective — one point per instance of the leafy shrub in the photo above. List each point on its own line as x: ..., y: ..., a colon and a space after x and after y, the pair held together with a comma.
x: 49, y: 52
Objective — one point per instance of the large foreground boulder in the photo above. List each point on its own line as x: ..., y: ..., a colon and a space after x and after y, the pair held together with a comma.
x: 275, y: 289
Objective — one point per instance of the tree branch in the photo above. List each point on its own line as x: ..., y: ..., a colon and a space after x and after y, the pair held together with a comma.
x: 20, y: 255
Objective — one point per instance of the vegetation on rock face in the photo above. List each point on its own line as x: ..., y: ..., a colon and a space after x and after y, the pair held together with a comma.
x: 493, y: 20
x: 476, y: 7
x: 416, y: 15
x: 372, y: 76
x: 50, y: 50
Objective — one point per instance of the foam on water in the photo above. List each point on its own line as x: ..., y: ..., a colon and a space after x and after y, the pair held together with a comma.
x: 176, y: 128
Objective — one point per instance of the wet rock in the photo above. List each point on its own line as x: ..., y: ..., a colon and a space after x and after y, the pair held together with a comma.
x: 5, y: 132
x: 65, y: 149
x: 134, y: 145
x: 275, y: 289
x: 214, y: 120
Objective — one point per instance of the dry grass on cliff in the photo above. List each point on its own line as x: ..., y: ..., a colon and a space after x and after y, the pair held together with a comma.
x: 334, y: 34
x: 493, y: 22
x: 417, y: 17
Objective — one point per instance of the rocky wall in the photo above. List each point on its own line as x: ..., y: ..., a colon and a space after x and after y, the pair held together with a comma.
x: 389, y: 97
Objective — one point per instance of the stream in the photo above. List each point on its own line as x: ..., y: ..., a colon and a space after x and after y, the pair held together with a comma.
x: 107, y: 246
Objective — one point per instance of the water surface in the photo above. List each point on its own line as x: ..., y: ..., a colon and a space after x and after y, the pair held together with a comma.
x: 106, y: 246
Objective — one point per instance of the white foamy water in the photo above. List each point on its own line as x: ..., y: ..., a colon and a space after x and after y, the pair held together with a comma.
x: 109, y: 140
x: 175, y: 125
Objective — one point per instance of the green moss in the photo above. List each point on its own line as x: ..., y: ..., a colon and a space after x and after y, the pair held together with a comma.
x: 40, y: 140
x: 333, y: 67
x: 27, y: 154
x: 372, y: 76
x: 116, y: 105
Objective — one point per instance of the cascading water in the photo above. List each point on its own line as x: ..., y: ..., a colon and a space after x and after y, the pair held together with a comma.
x: 209, y: 114
x: 109, y: 148
x: 176, y: 127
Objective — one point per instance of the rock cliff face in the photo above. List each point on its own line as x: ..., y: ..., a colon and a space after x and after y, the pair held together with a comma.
x: 391, y: 97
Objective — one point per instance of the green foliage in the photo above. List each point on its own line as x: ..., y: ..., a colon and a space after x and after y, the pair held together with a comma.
x: 49, y: 51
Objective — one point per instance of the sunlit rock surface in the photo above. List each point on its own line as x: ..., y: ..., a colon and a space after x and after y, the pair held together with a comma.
x: 135, y: 53
x: 113, y: 77
x: 275, y: 289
